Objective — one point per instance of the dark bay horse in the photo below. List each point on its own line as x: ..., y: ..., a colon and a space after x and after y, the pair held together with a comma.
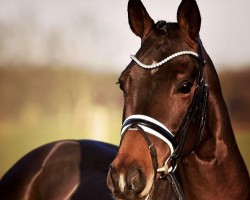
x: 196, y: 157
x: 61, y: 170
x: 176, y: 140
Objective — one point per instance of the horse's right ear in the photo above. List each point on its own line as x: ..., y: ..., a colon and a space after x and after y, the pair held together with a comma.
x: 139, y: 20
x: 189, y: 18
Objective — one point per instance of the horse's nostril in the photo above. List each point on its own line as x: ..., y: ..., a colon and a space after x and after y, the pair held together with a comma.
x: 112, y: 180
x: 130, y: 187
x: 135, y: 181
x: 126, y: 184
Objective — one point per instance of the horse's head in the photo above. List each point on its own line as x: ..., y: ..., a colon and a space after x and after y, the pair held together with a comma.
x: 160, y: 89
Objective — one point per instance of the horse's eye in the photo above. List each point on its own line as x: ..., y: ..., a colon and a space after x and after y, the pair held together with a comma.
x: 120, y: 85
x: 185, y: 87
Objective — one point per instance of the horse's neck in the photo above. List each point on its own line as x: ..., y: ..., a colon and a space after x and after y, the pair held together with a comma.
x: 215, y: 169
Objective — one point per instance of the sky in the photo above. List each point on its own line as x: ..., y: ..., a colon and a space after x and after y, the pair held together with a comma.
x: 95, y: 34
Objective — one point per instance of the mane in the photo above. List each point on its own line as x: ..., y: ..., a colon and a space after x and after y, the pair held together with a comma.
x: 164, y: 26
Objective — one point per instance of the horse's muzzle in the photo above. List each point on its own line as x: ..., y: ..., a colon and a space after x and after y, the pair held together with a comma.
x: 126, y: 184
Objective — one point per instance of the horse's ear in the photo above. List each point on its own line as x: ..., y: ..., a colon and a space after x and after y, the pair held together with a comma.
x: 139, y: 20
x: 189, y: 19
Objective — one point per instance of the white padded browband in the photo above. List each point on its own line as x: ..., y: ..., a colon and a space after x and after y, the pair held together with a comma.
x: 158, y: 64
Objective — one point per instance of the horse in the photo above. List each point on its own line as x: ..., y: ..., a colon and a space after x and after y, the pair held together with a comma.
x: 177, y: 141
x: 61, y: 170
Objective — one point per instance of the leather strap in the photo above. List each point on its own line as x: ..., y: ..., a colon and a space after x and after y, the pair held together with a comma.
x: 152, y: 150
x: 176, y: 186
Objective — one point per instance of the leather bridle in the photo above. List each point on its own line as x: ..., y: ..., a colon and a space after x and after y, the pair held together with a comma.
x: 146, y: 125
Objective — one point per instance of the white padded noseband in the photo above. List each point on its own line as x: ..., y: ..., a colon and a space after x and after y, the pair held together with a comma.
x: 150, y: 130
x: 158, y: 64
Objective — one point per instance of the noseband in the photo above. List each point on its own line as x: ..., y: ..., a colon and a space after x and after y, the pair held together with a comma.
x: 147, y: 125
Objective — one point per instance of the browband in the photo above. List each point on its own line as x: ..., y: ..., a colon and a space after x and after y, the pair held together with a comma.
x: 158, y: 64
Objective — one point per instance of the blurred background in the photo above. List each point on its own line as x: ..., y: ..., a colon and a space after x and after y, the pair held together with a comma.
x: 60, y: 60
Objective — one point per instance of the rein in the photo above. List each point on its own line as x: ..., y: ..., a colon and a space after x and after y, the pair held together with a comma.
x: 147, y: 125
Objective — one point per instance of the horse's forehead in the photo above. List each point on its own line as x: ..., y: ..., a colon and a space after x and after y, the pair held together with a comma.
x: 164, y: 40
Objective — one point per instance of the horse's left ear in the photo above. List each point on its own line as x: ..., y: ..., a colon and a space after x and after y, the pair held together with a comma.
x: 189, y: 18
x: 139, y: 20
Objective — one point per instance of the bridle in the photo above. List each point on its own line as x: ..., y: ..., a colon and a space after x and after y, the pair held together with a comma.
x: 147, y: 125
